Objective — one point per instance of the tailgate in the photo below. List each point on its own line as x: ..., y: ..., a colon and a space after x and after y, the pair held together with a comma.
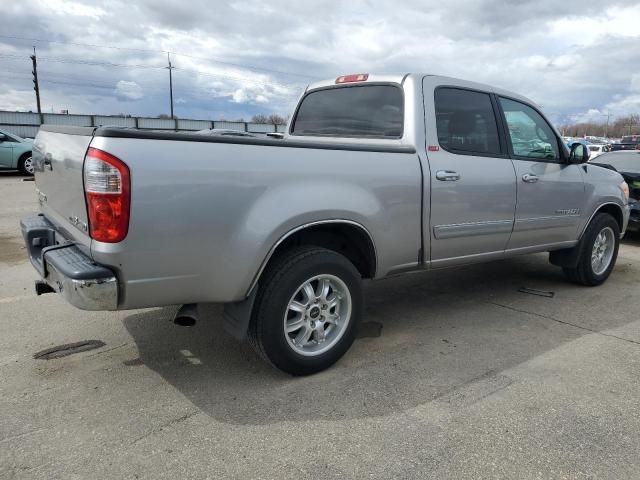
x: 58, y: 156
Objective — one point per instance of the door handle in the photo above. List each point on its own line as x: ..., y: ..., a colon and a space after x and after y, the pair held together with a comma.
x: 529, y: 178
x: 447, y: 175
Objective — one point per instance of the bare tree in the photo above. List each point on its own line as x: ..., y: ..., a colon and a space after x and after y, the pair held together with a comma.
x: 260, y: 118
x: 627, y: 125
x: 273, y: 119
x: 276, y: 119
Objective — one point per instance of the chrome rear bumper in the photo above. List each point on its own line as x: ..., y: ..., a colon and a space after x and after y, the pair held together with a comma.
x: 63, y: 266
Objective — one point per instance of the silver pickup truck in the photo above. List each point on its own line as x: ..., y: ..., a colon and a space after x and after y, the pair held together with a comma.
x: 377, y: 175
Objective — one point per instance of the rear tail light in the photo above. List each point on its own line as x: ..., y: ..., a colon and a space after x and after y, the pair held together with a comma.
x: 355, y: 77
x: 107, y: 188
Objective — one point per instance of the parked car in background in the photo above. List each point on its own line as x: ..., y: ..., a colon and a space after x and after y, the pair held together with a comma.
x: 571, y: 141
x: 597, y: 150
x: 628, y: 142
x: 627, y: 164
x: 377, y: 175
x: 15, y: 153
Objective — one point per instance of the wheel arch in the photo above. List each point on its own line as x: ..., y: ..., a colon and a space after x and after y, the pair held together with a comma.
x: 569, y: 257
x: 26, y: 154
x: 613, y: 209
x: 347, y: 237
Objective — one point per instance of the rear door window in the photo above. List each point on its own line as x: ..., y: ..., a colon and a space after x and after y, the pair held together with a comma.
x: 367, y: 111
x: 466, y: 122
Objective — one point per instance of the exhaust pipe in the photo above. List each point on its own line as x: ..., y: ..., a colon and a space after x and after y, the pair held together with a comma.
x: 187, y: 315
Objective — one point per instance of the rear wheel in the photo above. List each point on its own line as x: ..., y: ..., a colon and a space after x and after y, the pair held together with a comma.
x: 25, y: 164
x: 598, y: 252
x: 308, y: 304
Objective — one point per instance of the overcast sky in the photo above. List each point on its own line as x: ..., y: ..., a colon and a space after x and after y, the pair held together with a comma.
x: 578, y: 59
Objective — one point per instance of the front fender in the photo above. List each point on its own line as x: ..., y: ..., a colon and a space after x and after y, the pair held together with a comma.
x: 602, y: 188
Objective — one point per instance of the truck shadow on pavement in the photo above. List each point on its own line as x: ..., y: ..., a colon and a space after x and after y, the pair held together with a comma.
x: 446, y: 336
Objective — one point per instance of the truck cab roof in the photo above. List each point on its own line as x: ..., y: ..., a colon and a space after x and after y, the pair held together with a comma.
x: 415, y: 79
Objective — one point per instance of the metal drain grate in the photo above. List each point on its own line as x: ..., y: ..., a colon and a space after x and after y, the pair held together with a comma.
x: 68, y: 349
x: 539, y: 293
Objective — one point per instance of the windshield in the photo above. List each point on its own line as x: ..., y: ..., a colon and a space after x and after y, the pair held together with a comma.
x: 367, y: 111
x: 12, y: 136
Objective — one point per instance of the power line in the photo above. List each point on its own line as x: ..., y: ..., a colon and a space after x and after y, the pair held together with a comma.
x: 236, y: 77
x: 170, y: 67
x: 195, y: 92
x: 247, y: 67
x: 85, y: 62
x: 61, y: 79
x: 159, y: 67
x: 210, y: 59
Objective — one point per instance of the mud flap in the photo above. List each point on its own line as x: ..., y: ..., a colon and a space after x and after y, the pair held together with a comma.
x: 238, y: 315
x: 567, y: 257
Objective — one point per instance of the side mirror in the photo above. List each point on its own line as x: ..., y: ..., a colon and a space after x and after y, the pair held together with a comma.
x: 579, y: 153
x: 3, y: 137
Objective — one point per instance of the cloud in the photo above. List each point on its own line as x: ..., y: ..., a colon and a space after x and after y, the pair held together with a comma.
x: 127, y: 91
x: 239, y: 96
x: 17, y: 100
x: 246, y: 57
x: 70, y: 8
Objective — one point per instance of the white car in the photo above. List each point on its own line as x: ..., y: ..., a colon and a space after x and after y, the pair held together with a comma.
x: 596, y: 150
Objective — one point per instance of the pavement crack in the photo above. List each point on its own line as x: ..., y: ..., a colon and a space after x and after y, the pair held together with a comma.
x: 173, y: 421
x: 548, y: 317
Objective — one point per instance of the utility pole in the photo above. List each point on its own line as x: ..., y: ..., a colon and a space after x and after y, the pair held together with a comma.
x: 606, y: 130
x: 170, y: 83
x: 36, y: 87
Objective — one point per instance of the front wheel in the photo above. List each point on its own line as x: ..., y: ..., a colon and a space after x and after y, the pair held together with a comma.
x: 306, y: 312
x: 598, y: 252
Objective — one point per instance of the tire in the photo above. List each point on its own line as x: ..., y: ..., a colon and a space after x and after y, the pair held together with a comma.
x: 585, y: 272
x: 282, y: 286
x: 25, y: 164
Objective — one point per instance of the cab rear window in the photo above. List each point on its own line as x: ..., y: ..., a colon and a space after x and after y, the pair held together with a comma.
x: 367, y: 111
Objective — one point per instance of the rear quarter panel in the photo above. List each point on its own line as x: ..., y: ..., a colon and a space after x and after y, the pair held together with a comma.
x: 205, y: 215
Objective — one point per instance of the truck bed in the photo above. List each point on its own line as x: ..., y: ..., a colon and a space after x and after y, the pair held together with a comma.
x: 206, y: 211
